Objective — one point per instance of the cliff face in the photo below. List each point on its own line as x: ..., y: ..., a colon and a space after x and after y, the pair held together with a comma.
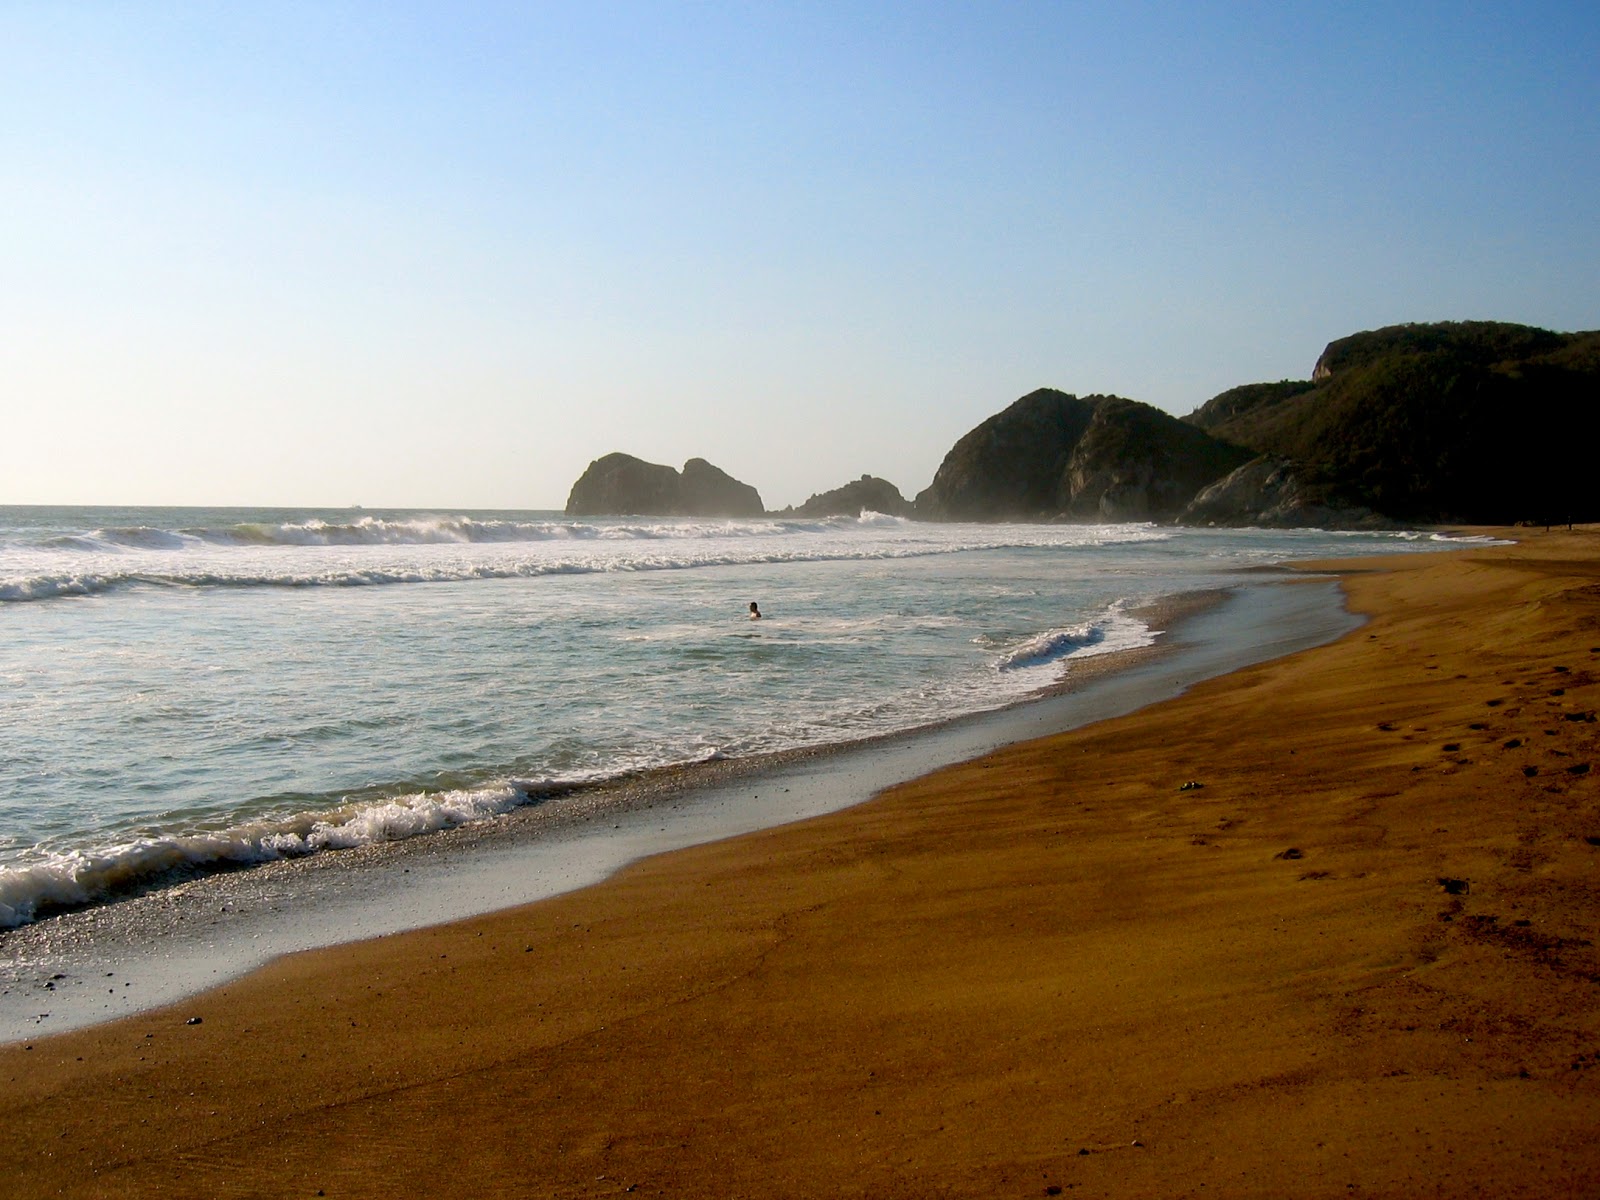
x: 867, y: 494
x: 1053, y: 455
x: 1010, y: 466
x: 1137, y: 463
x: 1267, y: 493
x: 622, y: 485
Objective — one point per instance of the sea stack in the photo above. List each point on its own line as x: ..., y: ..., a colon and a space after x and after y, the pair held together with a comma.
x: 622, y: 485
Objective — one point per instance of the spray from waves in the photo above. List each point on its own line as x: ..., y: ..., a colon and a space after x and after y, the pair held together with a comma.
x: 436, y: 530
x: 377, y: 531
x: 633, y: 557
x: 414, y: 531
x: 77, y: 878
x: 461, y: 530
x: 133, y: 537
x: 1114, y: 631
x: 50, y: 587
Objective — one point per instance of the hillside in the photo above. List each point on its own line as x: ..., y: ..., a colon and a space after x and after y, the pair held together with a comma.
x: 1474, y: 421
x: 1052, y: 455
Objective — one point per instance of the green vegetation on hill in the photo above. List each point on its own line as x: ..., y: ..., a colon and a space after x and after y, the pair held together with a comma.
x: 1248, y: 398
x: 1482, y: 343
x: 1471, y: 421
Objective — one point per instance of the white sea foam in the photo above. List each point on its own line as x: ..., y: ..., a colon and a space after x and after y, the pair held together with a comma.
x: 375, y: 531
x: 1112, y: 632
x: 49, y: 587
x: 148, y: 726
x: 373, y: 552
x: 82, y: 877
x: 881, y: 520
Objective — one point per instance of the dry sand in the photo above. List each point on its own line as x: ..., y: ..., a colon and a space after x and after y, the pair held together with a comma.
x: 1356, y: 961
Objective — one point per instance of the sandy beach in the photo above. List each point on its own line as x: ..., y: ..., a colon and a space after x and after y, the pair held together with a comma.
x: 1322, y: 927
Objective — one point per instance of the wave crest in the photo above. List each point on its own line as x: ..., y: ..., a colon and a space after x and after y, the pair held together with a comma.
x: 77, y: 878
x: 1114, y: 631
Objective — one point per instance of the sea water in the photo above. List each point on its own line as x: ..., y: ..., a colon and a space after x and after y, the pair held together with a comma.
x: 188, y: 689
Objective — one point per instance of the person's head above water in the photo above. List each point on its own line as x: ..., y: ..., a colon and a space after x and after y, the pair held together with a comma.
x: 755, y: 613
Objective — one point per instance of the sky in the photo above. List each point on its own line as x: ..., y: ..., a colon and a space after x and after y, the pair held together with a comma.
x: 444, y: 255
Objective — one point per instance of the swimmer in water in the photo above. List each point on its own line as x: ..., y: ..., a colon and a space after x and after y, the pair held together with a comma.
x: 755, y: 613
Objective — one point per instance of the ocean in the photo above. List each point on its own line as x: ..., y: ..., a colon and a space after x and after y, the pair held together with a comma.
x: 196, y: 690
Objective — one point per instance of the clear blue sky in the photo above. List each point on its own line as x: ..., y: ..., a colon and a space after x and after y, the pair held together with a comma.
x: 444, y: 255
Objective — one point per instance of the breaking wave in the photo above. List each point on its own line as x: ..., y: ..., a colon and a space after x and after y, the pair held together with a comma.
x: 76, y: 878
x: 1112, y: 632
x: 375, y: 551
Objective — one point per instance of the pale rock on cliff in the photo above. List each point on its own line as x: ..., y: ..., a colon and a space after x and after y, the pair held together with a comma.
x: 1267, y: 493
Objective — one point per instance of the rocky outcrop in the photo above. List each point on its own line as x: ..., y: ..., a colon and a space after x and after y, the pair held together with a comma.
x: 708, y: 491
x: 1052, y: 455
x: 1137, y: 463
x: 867, y: 494
x: 1267, y: 493
x: 622, y: 485
x: 1476, y: 343
x: 1010, y: 466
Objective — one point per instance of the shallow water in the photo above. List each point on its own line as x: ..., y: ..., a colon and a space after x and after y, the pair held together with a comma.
x: 186, y: 688
x: 98, y: 963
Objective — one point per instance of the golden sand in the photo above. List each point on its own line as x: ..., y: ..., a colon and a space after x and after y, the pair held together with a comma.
x: 1355, y: 960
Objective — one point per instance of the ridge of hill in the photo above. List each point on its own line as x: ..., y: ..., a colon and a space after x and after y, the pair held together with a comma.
x: 1481, y: 422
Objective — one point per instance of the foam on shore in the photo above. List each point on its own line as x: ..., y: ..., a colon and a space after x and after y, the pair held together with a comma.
x: 183, y: 938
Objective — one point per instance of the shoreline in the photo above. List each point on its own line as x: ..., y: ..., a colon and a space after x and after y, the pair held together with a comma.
x: 1319, y: 927
x: 174, y: 941
x: 555, y: 801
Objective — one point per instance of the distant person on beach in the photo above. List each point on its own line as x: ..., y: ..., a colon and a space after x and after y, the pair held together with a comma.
x: 755, y: 613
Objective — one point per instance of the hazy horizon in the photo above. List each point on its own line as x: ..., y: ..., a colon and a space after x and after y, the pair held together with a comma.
x: 409, y: 256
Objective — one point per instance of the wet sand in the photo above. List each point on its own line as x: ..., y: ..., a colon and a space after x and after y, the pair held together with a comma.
x: 189, y: 935
x: 1321, y: 927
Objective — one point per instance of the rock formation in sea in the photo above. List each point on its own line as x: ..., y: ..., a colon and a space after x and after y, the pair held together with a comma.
x: 867, y: 494
x: 1056, y: 456
x: 708, y: 491
x: 622, y: 485
x: 1451, y: 422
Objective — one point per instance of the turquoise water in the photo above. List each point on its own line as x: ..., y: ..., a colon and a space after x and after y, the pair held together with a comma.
x: 193, y: 687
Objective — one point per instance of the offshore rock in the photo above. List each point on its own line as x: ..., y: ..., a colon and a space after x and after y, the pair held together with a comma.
x: 622, y: 485
x: 867, y: 494
x: 1053, y: 455
x: 708, y: 491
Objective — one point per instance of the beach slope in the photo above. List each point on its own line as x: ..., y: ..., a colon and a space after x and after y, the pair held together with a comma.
x: 1319, y: 928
